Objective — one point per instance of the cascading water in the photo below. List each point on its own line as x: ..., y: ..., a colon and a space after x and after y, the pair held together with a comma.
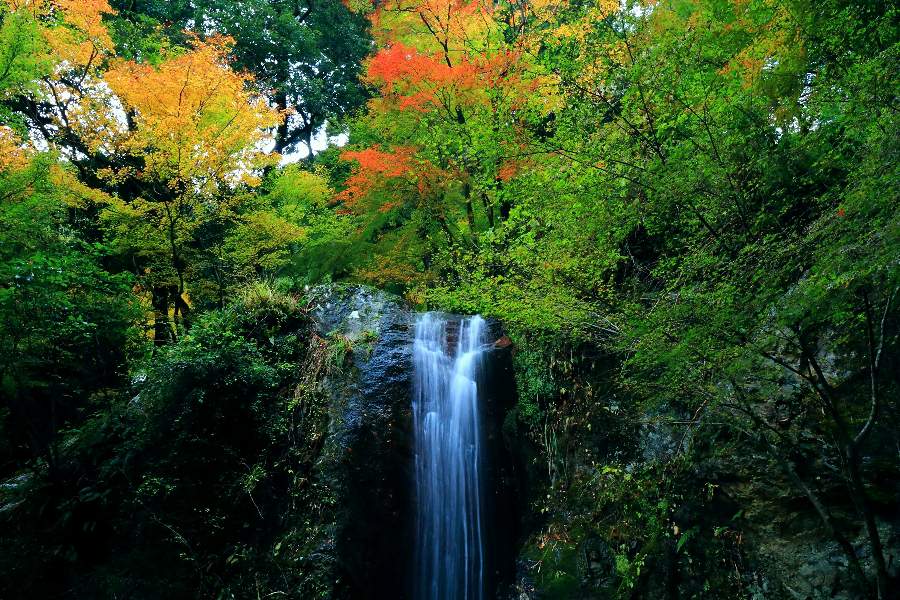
x: 450, y: 551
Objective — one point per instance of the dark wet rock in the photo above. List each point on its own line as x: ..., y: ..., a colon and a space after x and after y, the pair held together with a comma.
x: 505, y: 471
x: 369, y: 449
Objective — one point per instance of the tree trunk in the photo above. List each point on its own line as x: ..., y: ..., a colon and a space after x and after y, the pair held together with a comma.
x: 505, y: 208
x: 827, y: 520
x: 281, y: 134
x: 307, y: 139
x: 488, y: 209
x: 470, y: 211
x: 821, y: 509
x: 162, y: 330
x: 446, y: 228
x: 182, y: 310
x: 864, y: 506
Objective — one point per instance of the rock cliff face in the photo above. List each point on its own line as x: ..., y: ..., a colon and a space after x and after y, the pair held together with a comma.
x: 368, y: 333
x: 369, y: 460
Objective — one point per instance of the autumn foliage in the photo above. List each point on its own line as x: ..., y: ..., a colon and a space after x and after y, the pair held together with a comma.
x: 374, y: 168
x: 80, y: 36
x: 418, y: 80
x: 422, y: 81
x: 12, y: 156
x: 195, y: 119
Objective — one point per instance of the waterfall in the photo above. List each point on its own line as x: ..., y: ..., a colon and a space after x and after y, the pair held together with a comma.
x: 450, y: 549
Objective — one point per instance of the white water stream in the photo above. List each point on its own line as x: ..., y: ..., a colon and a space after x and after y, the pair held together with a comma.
x: 450, y: 549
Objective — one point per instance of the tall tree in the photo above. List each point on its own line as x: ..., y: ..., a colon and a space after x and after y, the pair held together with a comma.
x: 199, y: 134
x: 455, y: 99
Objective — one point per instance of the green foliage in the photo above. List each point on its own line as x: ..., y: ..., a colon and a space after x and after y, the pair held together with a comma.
x: 303, y: 198
x: 198, y: 458
x: 23, y: 51
x: 196, y: 475
x: 706, y: 215
x: 534, y: 381
x: 67, y: 326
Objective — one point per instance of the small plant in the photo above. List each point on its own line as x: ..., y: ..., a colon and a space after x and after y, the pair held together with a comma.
x: 339, y: 348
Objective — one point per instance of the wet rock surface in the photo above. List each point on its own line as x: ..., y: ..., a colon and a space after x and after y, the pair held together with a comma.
x: 368, y: 333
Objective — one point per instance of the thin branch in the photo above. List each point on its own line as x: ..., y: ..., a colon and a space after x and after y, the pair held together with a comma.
x: 874, y: 352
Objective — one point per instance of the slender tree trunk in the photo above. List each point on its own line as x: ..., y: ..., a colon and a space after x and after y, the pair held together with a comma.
x: 178, y: 264
x: 446, y: 228
x: 505, y: 208
x: 864, y: 506
x: 827, y: 520
x: 281, y: 133
x: 821, y: 509
x: 162, y: 331
x: 307, y: 139
x: 849, y: 448
x: 470, y: 211
x: 182, y: 309
x: 488, y: 209
x: 862, y: 500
